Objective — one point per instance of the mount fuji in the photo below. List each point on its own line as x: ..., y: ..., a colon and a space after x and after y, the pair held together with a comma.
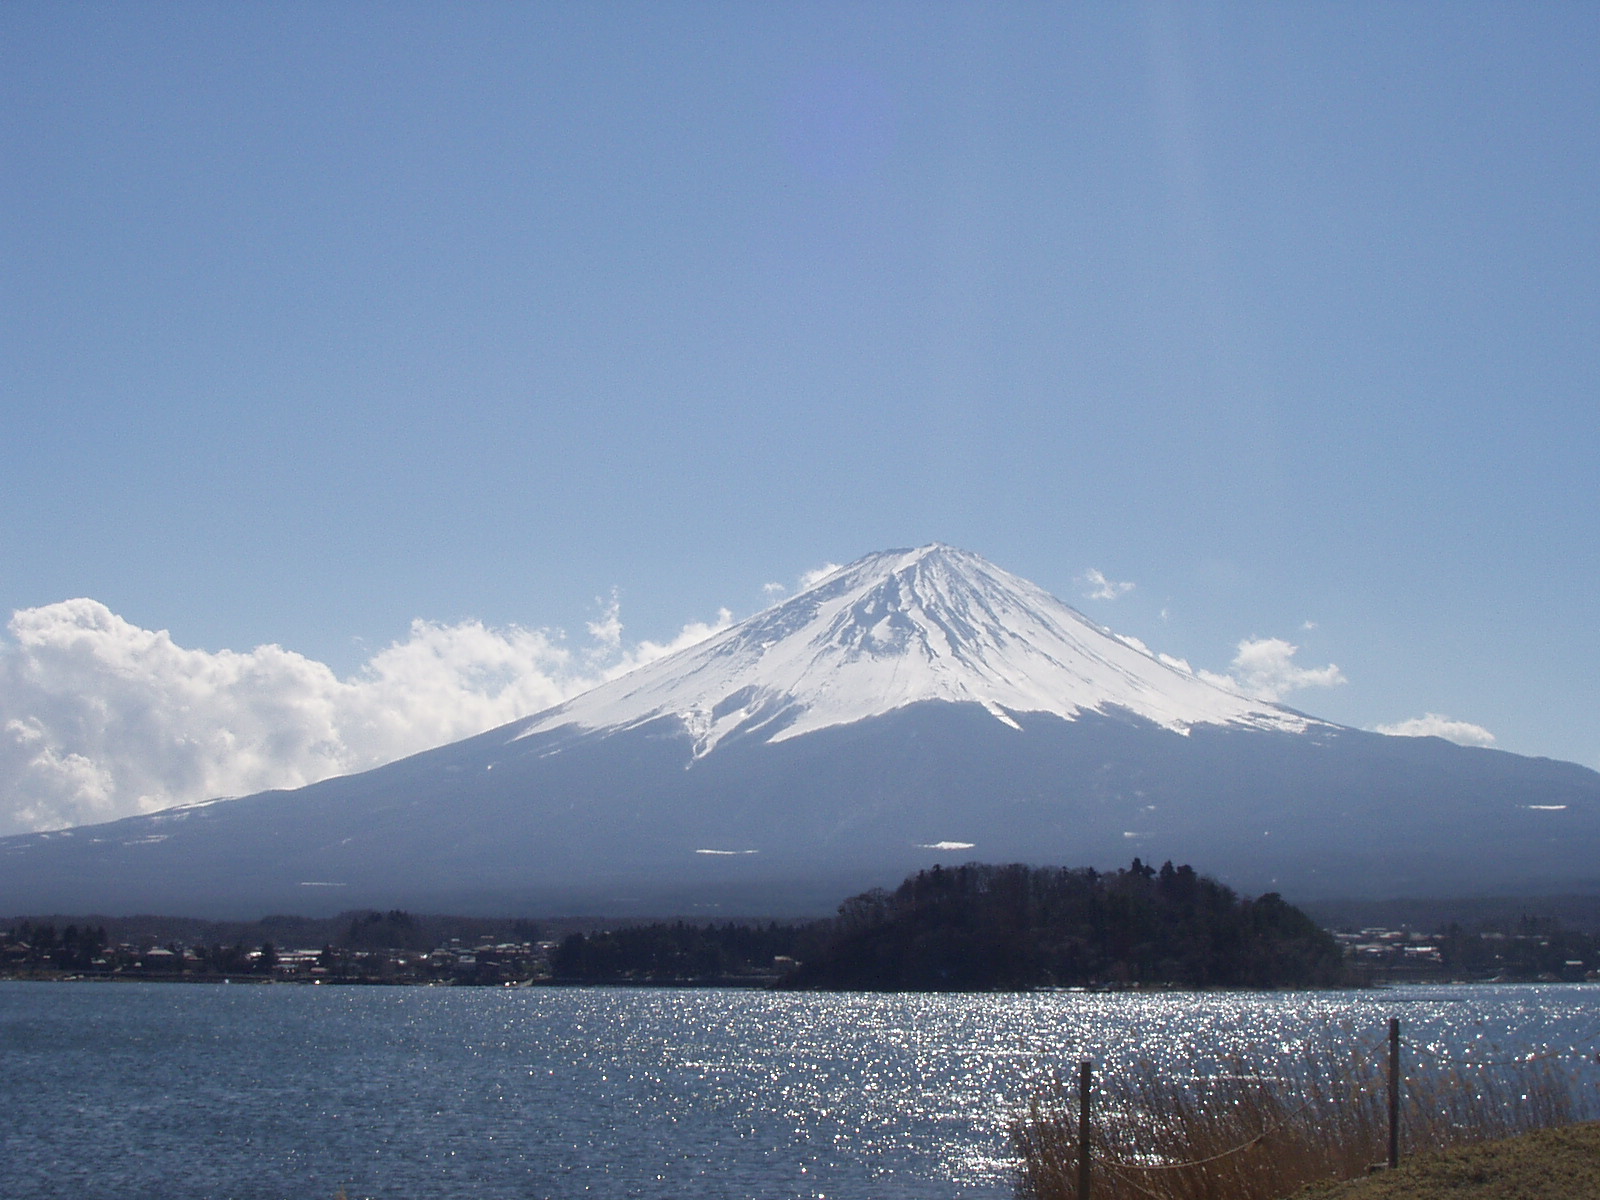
x: 916, y: 706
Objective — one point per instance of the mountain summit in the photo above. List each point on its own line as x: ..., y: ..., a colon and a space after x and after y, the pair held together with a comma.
x: 916, y: 706
x: 905, y: 627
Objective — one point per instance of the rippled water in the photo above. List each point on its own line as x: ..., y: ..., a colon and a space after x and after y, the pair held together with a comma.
x: 251, y: 1093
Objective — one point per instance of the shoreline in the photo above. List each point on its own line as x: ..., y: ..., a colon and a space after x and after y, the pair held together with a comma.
x: 763, y: 983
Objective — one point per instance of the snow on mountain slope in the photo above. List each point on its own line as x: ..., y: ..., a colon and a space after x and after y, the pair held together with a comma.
x: 946, y: 707
x: 896, y: 628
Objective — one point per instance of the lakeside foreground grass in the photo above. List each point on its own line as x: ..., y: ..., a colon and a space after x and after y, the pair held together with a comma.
x: 1242, y: 1130
x: 1549, y: 1164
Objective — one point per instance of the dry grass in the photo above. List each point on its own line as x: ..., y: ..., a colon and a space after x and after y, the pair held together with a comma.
x: 1254, y: 1132
x: 1550, y: 1164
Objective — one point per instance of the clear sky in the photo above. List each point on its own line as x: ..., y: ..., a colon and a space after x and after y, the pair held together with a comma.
x: 561, y: 327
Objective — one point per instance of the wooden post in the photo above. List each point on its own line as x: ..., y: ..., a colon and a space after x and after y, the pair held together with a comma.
x: 1084, y: 1079
x: 1394, y: 1092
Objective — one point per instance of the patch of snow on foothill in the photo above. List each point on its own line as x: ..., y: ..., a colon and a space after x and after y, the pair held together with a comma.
x: 897, y: 628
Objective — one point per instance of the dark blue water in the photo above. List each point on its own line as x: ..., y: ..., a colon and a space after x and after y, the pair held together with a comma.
x: 258, y: 1093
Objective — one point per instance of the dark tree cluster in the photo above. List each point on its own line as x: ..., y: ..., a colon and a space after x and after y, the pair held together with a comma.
x: 75, y: 948
x: 1533, y: 948
x: 674, y: 952
x: 393, y: 930
x: 399, y: 930
x: 237, y: 959
x: 981, y: 927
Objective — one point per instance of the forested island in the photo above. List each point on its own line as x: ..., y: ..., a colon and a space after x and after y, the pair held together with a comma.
x: 983, y: 927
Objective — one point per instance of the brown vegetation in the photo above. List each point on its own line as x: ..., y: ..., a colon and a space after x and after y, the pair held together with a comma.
x: 1260, y: 1132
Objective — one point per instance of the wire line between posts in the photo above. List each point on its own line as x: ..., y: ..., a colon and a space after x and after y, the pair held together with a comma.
x: 1256, y: 1140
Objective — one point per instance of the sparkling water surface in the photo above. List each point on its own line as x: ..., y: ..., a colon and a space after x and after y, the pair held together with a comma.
x: 197, y: 1091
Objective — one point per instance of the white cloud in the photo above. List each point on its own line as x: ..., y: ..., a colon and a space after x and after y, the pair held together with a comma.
x: 1433, y: 725
x: 606, y: 630
x: 1101, y: 588
x: 101, y: 719
x: 774, y: 591
x: 690, y: 635
x: 1264, y: 669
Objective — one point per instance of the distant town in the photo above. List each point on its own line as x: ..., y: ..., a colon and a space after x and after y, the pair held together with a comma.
x: 488, y: 963
x: 507, y: 954
x: 1534, y: 950
x: 354, y: 947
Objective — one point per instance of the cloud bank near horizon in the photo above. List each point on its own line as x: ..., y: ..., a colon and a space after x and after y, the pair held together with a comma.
x: 101, y: 719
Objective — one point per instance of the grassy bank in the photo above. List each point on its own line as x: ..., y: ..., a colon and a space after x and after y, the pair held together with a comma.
x: 1550, y: 1164
x: 1242, y: 1130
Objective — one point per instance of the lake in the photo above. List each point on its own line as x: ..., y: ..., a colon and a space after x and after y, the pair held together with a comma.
x: 188, y: 1091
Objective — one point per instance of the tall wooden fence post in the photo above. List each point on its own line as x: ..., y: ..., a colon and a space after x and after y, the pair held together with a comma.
x: 1084, y: 1081
x: 1394, y: 1092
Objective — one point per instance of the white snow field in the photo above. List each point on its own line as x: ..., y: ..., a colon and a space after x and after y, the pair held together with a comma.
x: 900, y: 627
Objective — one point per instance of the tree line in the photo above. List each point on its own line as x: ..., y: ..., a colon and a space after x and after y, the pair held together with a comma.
x: 1532, y: 948
x: 991, y: 927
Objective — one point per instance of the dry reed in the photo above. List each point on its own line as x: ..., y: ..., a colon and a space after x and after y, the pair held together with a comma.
x: 1253, y: 1131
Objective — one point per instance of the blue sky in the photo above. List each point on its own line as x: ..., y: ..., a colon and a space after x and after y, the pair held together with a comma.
x: 321, y: 320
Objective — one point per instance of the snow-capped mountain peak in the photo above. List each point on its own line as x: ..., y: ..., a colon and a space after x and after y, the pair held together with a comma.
x: 897, y: 628
x: 913, y: 705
